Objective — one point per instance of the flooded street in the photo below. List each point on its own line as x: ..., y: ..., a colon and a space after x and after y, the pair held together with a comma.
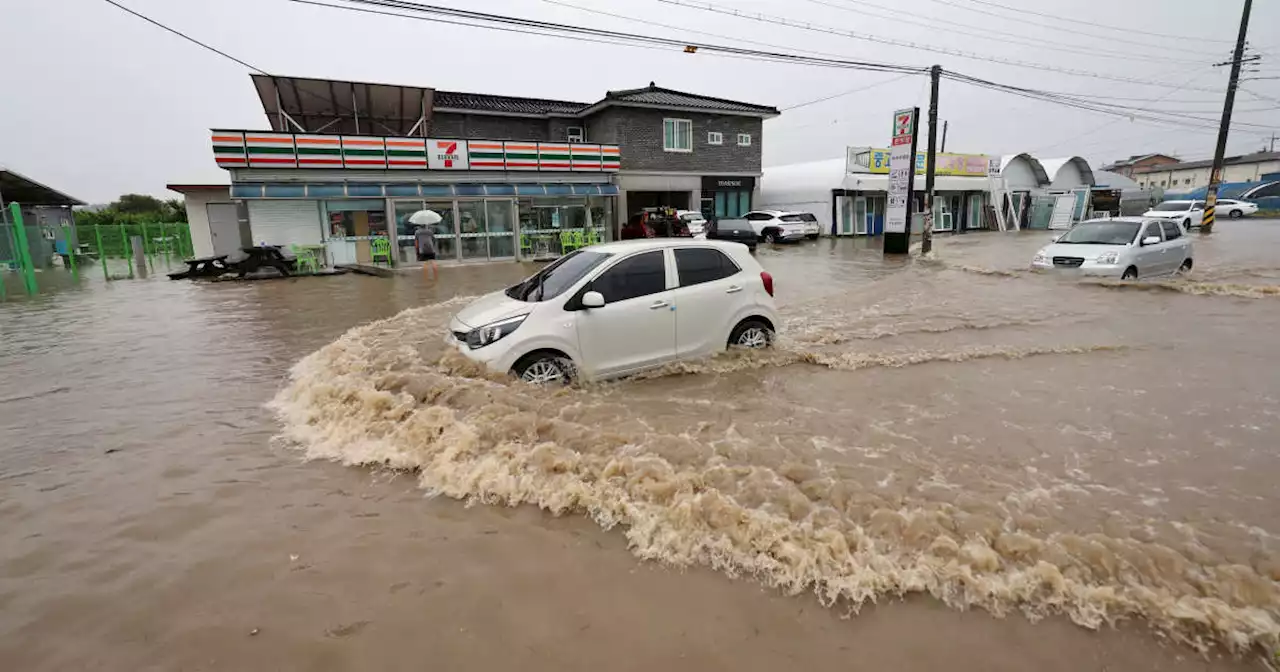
x: 946, y: 464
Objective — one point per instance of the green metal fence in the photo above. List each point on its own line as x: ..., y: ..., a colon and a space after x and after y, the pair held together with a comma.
x: 79, y: 246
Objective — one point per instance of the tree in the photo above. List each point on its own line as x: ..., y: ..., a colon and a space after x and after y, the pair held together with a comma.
x: 138, y: 204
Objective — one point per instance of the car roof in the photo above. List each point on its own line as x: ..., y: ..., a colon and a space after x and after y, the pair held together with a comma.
x: 1131, y: 220
x: 629, y: 246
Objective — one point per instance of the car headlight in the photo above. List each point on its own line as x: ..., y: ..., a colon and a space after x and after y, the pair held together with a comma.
x: 1107, y: 258
x: 482, y: 336
x: 1041, y: 259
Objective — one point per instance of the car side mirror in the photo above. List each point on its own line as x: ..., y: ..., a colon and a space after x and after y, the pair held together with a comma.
x: 1151, y: 240
x: 1055, y: 239
x: 593, y: 300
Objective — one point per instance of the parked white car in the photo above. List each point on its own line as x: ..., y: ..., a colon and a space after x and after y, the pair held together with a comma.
x: 1235, y: 209
x: 694, y: 221
x: 775, y: 226
x: 615, y: 309
x: 1125, y: 247
x: 1186, y: 213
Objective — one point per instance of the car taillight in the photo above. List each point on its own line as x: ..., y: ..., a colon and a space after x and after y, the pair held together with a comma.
x: 768, y: 282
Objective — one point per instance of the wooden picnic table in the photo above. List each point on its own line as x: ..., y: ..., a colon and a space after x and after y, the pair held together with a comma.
x: 203, y: 267
x: 252, y: 259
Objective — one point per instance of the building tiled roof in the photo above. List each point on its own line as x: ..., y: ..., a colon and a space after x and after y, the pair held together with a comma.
x: 655, y: 95
x: 650, y: 95
x: 508, y: 104
x: 1256, y: 157
x: 1132, y: 160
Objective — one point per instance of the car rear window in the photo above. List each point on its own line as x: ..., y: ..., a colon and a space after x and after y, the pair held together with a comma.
x: 697, y: 265
x: 733, y: 225
x: 792, y: 218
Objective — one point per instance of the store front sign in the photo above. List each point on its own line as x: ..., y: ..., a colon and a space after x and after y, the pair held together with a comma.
x: 250, y: 149
x: 736, y: 183
x: 957, y: 165
x: 447, y: 154
x: 901, y: 173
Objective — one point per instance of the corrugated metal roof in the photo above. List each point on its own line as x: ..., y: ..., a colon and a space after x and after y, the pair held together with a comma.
x: 655, y: 95
x: 510, y: 104
x: 1256, y: 157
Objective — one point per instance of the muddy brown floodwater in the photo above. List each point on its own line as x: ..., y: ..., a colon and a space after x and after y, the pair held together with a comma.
x: 948, y: 464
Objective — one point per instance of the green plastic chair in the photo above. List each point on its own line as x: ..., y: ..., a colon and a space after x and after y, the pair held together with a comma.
x: 567, y: 242
x: 592, y: 237
x: 305, y: 259
x: 578, y: 239
x: 382, y: 250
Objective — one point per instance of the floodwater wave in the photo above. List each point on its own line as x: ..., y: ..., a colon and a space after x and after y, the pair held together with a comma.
x: 719, y: 495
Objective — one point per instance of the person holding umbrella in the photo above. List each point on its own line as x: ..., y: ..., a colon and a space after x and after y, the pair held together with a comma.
x: 425, y: 240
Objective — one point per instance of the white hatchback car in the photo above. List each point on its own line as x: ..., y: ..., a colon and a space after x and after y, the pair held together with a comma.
x: 1125, y: 247
x: 694, y: 221
x: 615, y: 309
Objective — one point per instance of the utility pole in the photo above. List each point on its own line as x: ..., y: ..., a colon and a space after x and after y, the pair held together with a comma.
x: 1215, y: 176
x: 943, y: 148
x: 1274, y: 137
x: 926, y: 236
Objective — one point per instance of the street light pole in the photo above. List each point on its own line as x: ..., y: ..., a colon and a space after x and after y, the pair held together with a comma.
x: 1219, y: 154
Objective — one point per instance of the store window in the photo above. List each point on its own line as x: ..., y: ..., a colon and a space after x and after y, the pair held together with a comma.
x: 732, y: 204
x: 677, y: 135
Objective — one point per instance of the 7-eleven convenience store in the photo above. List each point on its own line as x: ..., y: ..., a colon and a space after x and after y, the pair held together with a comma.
x: 345, y: 165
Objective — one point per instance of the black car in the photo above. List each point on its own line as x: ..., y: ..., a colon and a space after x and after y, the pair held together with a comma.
x: 736, y: 230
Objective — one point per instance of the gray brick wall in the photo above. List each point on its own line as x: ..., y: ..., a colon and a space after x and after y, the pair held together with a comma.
x: 639, y: 132
x: 488, y: 127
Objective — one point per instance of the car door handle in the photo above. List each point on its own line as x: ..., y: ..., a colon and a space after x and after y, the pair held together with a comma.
x: 658, y: 304
x: 733, y: 289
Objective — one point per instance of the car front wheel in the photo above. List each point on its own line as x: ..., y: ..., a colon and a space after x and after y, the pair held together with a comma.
x: 1130, y: 273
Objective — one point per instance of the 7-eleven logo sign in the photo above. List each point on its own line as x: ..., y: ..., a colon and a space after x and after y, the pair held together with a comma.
x: 902, y: 123
x: 448, y: 151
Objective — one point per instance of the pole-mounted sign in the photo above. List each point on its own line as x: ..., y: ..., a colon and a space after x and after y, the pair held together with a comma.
x: 902, y: 172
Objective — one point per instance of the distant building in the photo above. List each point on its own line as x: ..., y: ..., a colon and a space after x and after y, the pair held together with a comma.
x: 1139, y: 162
x: 1188, y: 175
x: 46, y: 214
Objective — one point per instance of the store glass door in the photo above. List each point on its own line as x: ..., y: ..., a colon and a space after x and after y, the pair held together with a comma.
x: 500, y: 216
x: 860, y: 217
x: 406, y: 242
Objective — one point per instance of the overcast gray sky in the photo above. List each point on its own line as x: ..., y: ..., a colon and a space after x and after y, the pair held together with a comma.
x: 99, y: 103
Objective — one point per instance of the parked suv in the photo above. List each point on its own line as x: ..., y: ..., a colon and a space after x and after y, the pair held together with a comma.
x: 773, y: 226
x: 1186, y: 213
x: 615, y: 309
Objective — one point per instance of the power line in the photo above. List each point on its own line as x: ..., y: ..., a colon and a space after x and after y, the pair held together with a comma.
x: 685, y: 29
x: 1126, y: 31
x: 843, y: 93
x: 987, y: 34
x: 776, y: 20
x: 184, y: 36
x: 683, y: 45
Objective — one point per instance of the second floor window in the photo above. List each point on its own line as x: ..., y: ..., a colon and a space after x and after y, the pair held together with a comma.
x: 714, y: 138
x: 677, y: 135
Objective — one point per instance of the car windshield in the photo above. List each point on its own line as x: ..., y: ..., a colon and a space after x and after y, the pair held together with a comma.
x: 1101, y: 233
x: 691, y: 217
x: 560, y: 275
x: 1172, y: 206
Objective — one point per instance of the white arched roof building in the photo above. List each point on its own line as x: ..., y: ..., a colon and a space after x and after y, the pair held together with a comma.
x: 1066, y: 174
x: 1022, y: 172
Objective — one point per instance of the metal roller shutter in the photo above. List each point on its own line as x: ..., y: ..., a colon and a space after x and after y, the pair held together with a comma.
x: 285, y: 222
